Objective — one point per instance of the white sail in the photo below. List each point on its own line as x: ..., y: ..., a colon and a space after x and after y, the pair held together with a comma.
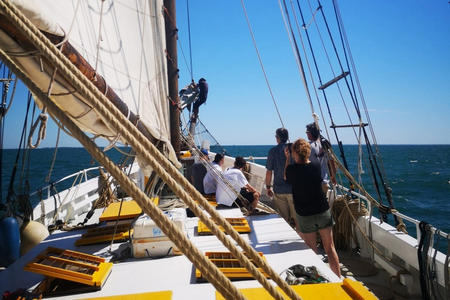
x: 123, y: 41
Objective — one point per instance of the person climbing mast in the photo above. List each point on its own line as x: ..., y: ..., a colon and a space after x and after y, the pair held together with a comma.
x: 202, y: 96
x: 196, y: 94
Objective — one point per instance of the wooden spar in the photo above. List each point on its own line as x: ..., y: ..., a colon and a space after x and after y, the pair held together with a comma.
x: 172, y: 72
x: 77, y: 59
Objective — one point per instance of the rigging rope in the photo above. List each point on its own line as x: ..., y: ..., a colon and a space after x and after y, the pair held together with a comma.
x: 318, y: 74
x: 363, y: 101
x: 309, y: 66
x: 422, y: 253
x: 52, y: 165
x: 151, y: 155
x: 261, y: 63
x: 190, y: 45
x: 11, y: 194
x: 294, y: 45
x: 99, y: 35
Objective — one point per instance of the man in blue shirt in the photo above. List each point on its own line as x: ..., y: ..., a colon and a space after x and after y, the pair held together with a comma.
x: 281, y: 191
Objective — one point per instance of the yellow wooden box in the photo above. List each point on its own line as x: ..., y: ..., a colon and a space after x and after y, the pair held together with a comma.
x: 130, y: 209
x: 239, y: 224
x: 105, y: 234
x: 229, y: 265
x: 71, y: 265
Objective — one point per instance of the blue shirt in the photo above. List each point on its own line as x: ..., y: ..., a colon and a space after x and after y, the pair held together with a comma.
x: 275, y: 162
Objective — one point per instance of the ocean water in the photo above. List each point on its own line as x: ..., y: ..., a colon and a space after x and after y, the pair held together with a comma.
x: 418, y: 174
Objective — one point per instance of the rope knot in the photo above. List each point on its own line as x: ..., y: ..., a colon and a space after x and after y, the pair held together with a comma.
x: 42, y: 120
x: 43, y: 117
x: 402, y: 227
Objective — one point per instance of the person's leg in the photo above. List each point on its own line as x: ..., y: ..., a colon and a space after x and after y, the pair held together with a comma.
x: 252, y: 198
x: 196, y: 106
x: 310, y: 240
x: 292, y: 213
x: 256, y: 196
x: 328, y: 244
x: 282, y: 205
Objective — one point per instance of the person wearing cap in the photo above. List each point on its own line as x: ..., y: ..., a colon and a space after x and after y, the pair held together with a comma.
x: 281, y: 191
x: 213, y: 174
x: 198, y: 171
x: 236, y: 183
x: 319, y: 156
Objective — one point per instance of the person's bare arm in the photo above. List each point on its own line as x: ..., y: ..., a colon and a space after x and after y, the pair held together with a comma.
x: 250, y: 188
x: 287, y: 154
x: 268, y: 183
x: 332, y: 167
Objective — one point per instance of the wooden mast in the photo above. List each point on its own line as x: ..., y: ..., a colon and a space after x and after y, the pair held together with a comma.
x: 172, y: 72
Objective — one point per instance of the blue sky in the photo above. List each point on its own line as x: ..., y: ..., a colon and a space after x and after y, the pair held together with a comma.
x: 400, y: 48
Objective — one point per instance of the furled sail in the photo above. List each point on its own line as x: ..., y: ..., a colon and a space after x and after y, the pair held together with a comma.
x: 122, y: 41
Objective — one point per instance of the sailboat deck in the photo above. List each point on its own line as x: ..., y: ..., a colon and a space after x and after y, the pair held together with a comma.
x: 271, y: 235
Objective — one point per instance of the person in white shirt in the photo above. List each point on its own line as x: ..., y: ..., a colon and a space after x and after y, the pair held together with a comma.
x: 210, y: 180
x: 319, y: 156
x: 237, y: 180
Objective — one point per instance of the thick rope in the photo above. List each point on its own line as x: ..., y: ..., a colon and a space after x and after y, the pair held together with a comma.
x: 42, y: 120
x: 211, y: 272
x: 150, y: 154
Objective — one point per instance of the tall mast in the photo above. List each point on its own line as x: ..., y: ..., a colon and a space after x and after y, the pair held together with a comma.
x: 172, y: 72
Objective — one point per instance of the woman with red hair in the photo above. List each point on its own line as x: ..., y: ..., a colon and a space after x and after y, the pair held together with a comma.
x: 311, y: 205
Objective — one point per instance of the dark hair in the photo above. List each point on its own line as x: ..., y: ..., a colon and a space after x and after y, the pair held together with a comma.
x: 202, y: 79
x: 313, y: 130
x: 239, y: 162
x: 282, y: 134
x: 218, y: 158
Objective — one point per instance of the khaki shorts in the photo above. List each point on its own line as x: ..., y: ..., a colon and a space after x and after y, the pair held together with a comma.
x: 309, y: 224
x: 285, y: 205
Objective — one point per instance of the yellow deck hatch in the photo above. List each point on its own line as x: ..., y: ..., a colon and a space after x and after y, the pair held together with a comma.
x: 130, y: 209
x: 163, y: 295
x: 345, y: 290
x: 211, y: 198
x: 239, y: 224
x: 105, y: 234
x: 71, y: 265
x: 229, y: 265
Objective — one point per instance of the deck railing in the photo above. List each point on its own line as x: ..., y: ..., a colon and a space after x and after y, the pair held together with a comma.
x: 48, y: 188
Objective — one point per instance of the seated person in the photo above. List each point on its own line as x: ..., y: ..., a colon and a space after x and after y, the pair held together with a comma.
x: 212, y: 175
x: 237, y: 180
x: 198, y: 171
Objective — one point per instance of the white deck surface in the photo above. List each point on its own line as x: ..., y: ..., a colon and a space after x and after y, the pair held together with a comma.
x: 271, y: 235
